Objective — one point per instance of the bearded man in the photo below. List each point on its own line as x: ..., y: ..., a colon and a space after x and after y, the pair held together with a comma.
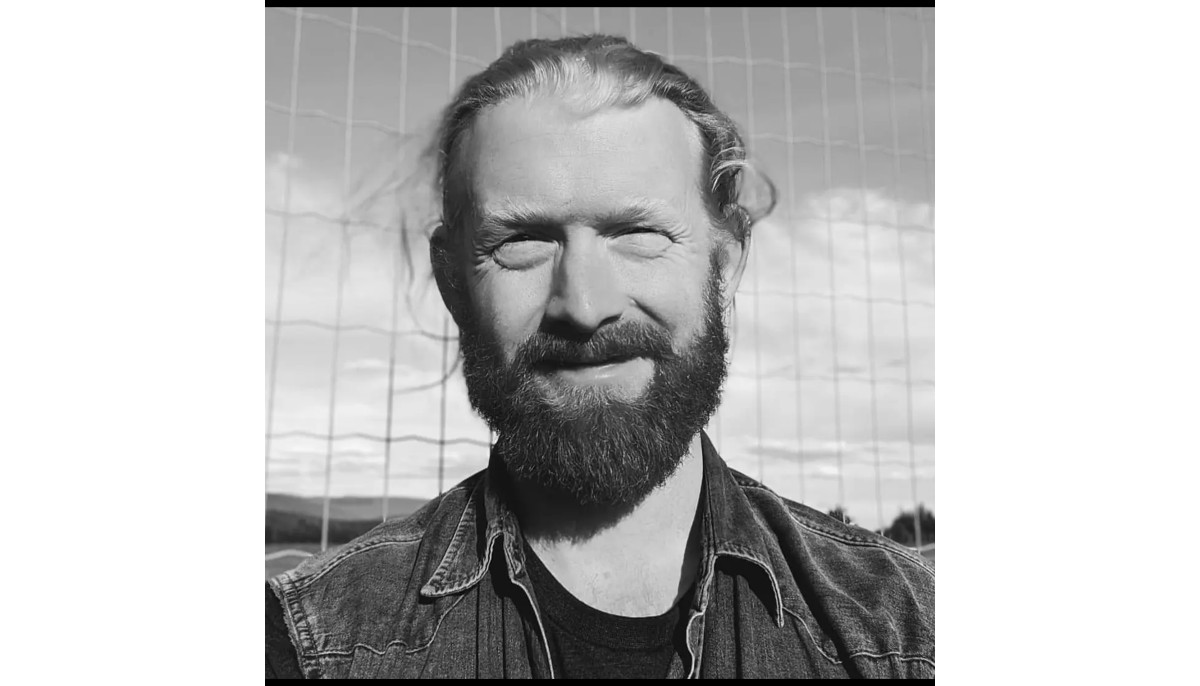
x: 591, y: 242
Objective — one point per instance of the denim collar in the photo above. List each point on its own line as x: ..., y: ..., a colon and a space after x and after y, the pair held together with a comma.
x: 729, y: 526
x: 732, y: 528
x: 485, y: 520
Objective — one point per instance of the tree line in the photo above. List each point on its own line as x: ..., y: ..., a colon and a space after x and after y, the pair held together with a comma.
x: 903, y: 528
x: 295, y: 527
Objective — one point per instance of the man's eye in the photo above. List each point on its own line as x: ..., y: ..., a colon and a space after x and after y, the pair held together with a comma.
x: 643, y: 240
x: 519, y: 241
x: 522, y: 250
x: 516, y: 239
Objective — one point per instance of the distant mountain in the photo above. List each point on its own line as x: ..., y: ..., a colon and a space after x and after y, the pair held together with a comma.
x: 297, y: 519
x: 346, y: 507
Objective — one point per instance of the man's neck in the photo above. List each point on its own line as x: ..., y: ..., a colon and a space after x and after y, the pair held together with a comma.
x: 635, y: 560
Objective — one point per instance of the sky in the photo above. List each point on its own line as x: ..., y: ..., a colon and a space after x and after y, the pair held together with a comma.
x: 829, y: 400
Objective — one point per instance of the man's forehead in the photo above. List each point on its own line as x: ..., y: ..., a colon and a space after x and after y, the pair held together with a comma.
x: 540, y: 152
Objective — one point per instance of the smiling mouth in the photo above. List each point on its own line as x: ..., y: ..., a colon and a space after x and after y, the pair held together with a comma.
x: 631, y: 372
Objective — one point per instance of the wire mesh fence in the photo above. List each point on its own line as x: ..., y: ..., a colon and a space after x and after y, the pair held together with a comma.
x: 830, y: 394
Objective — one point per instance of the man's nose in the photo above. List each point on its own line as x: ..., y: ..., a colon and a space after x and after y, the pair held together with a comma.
x: 585, y: 293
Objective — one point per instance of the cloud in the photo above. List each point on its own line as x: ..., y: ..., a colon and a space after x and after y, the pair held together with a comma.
x: 367, y: 365
x: 830, y: 329
x: 792, y: 451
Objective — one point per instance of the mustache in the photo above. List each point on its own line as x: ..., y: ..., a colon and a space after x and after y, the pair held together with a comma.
x: 613, y: 342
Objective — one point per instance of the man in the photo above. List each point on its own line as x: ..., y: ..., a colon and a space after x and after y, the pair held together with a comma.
x: 591, y: 243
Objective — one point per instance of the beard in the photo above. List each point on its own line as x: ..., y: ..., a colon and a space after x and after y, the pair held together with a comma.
x: 590, y: 444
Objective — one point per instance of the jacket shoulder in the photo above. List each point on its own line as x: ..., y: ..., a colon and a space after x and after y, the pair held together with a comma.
x: 386, y: 540
x: 872, y: 597
x: 331, y: 601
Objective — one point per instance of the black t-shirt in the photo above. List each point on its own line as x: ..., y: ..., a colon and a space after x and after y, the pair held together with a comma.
x: 586, y: 643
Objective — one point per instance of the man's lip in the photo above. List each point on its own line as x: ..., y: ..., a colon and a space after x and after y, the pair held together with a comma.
x: 575, y: 364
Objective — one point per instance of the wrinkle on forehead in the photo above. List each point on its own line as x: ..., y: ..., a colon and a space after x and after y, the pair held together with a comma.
x: 515, y: 212
x: 536, y: 145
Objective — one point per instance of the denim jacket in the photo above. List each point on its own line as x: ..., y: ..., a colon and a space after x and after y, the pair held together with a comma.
x: 782, y: 591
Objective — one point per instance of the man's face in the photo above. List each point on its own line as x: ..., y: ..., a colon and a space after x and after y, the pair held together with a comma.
x: 592, y: 337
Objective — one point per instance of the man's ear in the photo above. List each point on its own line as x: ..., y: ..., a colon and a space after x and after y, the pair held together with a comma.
x: 447, y: 271
x: 733, y: 264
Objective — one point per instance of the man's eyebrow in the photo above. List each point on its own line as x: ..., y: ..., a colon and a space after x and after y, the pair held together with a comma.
x: 633, y: 211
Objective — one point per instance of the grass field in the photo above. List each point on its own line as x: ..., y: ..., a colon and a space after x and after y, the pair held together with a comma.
x: 345, y: 507
x: 278, y: 564
x: 294, y: 524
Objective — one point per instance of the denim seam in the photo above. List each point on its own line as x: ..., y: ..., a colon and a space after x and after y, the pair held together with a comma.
x: 537, y: 614
x: 898, y: 655
x: 470, y: 580
x: 831, y: 532
x: 342, y: 556
x: 694, y: 672
x: 345, y: 553
x: 838, y: 536
x: 407, y: 651
x: 816, y: 643
x: 901, y: 656
x: 863, y: 542
x: 744, y: 483
x: 299, y: 633
x: 703, y: 597
x: 433, y: 586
